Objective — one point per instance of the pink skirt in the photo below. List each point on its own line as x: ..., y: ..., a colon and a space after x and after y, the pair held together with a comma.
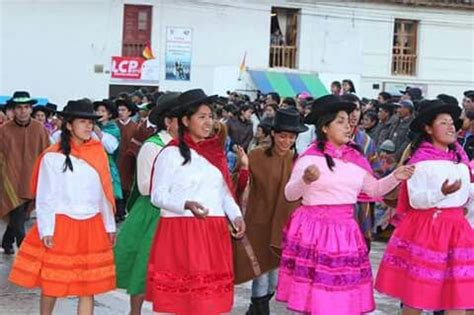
x: 429, y: 261
x: 325, y: 267
x: 190, y: 270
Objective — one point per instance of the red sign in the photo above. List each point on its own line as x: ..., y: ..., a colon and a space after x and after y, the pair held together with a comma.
x: 127, y: 67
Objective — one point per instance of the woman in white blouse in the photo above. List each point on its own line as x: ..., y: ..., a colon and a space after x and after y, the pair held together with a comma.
x: 190, y: 268
x: 429, y: 261
x: 136, y: 233
x: 68, y: 252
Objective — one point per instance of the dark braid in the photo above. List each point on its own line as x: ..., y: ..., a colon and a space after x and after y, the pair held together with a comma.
x: 452, y: 147
x: 321, y: 147
x: 65, y: 146
x: 183, y: 147
x: 269, y: 150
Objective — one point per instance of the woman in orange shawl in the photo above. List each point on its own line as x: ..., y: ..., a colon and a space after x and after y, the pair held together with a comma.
x: 68, y: 252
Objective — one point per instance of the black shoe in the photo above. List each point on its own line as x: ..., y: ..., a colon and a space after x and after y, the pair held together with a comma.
x: 260, y: 305
x: 8, y: 251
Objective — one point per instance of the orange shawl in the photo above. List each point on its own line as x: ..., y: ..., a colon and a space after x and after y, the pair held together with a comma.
x: 94, y: 154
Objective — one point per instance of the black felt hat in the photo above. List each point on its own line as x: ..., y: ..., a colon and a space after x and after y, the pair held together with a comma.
x: 166, y: 103
x: 128, y: 104
x: 194, y: 97
x: 429, y: 109
x: 109, y: 105
x: 328, y: 104
x: 21, y: 97
x: 79, y: 109
x: 289, y: 120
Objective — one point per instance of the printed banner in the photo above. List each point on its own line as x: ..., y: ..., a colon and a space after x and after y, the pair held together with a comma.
x: 178, y: 53
x: 135, y: 68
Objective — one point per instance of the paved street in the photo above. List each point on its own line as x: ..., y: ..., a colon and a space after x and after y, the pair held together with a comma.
x: 16, y: 301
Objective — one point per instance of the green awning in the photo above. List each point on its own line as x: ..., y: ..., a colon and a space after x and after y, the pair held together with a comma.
x: 288, y: 84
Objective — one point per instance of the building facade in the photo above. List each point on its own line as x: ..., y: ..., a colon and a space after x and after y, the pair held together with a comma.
x: 63, y: 49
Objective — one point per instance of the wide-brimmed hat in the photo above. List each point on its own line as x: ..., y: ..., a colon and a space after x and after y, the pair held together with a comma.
x: 288, y: 120
x: 325, y: 105
x: 109, y: 105
x: 21, y: 97
x: 166, y: 103
x: 429, y: 109
x: 194, y: 97
x: 41, y: 108
x: 79, y: 109
x: 52, y: 107
x: 128, y: 104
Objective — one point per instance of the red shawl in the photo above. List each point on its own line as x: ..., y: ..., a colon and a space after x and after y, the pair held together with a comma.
x: 211, y: 149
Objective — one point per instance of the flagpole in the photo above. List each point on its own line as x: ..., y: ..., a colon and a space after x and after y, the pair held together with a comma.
x: 242, y: 67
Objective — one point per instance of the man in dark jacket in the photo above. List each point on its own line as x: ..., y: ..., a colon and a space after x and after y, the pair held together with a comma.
x: 240, y: 128
x: 401, y: 127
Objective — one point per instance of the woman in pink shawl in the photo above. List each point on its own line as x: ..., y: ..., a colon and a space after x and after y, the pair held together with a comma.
x: 429, y: 261
x: 324, y: 267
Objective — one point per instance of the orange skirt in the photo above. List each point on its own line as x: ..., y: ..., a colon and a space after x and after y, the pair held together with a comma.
x: 81, y: 262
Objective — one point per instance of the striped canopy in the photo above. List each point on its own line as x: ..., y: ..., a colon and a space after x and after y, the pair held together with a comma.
x: 288, y: 84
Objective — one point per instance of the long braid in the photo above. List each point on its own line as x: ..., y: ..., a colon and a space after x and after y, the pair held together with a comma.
x: 329, y: 159
x: 183, y: 147
x: 452, y: 148
x: 269, y: 150
x: 65, y: 146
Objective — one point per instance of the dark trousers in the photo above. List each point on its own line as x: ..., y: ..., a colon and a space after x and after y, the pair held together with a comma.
x: 16, y: 227
x: 122, y: 204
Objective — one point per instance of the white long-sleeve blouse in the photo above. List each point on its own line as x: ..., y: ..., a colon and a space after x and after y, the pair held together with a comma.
x: 173, y: 184
x: 78, y: 194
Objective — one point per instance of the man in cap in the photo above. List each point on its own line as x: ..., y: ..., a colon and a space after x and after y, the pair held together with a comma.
x: 413, y: 94
x: 22, y: 141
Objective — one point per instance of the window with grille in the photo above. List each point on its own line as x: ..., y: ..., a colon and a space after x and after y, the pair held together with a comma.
x: 283, y: 37
x: 136, y: 29
x: 404, y: 49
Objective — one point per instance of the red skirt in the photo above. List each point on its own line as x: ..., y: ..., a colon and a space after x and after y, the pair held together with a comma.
x: 81, y: 262
x: 190, y: 269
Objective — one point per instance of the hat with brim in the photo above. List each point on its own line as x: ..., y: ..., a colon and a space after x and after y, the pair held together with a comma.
x: 144, y: 106
x: 21, y: 97
x: 129, y: 105
x: 79, y: 109
x: 194, y: 97
x: 429, y: 112
x: 166, y: 104
x: 109, y: 105
x: 325, y: 105
x: 288, y: 120
x: 52, y: 107
x: 41, y: 108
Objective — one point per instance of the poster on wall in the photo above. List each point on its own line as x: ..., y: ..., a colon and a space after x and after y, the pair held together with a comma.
x: 135, y: 69
x: 178, y: 53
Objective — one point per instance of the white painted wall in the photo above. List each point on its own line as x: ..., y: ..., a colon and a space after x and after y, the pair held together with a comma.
x: 50, y: 47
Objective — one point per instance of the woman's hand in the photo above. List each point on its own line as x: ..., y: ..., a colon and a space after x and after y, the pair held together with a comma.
x: 112, y: 238
x: 242, y: 158
x: 198, y: 210
x: 98, y: 131
x: 448, y: 189
x: 48, y: 241
x: 404, y: 172
x: 311, y: 174
x: 238, y: 227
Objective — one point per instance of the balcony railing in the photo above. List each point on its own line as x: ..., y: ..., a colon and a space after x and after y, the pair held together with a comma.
x: 133, y: 50
x: 282, y: 56
x: 404, y: 64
